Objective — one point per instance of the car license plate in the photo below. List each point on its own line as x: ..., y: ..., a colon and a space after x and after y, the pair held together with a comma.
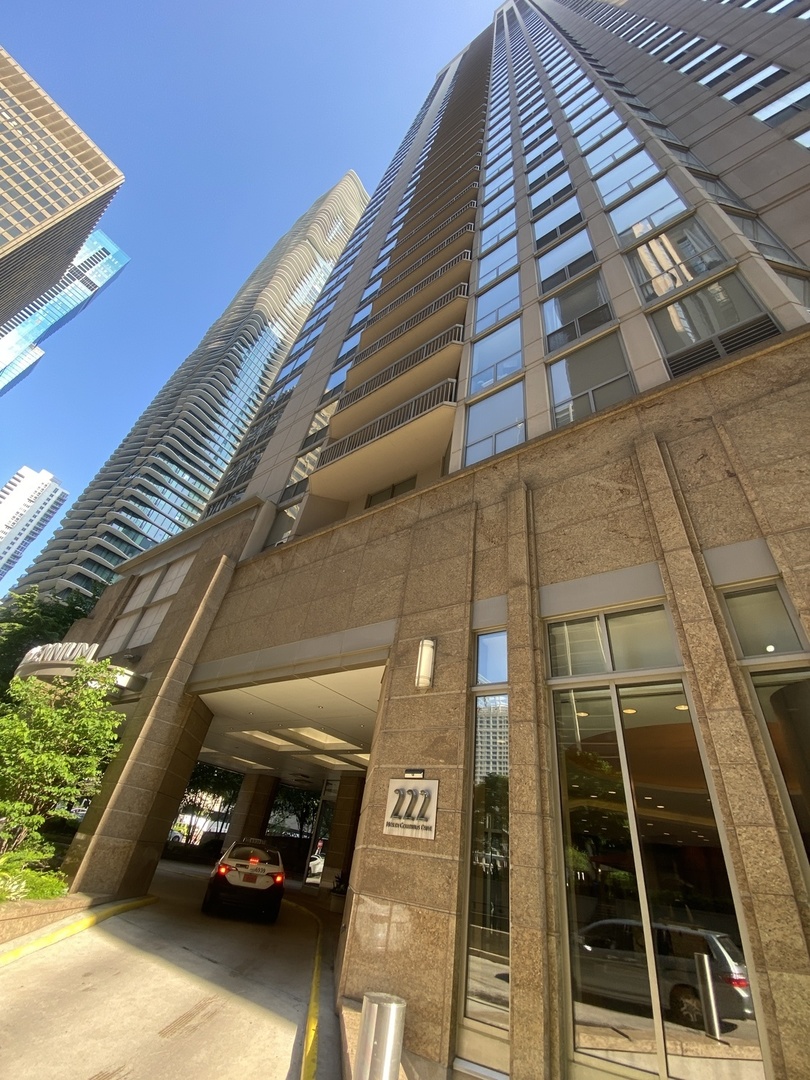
x: 249, y: 877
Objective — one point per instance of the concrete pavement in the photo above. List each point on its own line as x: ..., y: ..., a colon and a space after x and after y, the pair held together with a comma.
x: 165, y: 993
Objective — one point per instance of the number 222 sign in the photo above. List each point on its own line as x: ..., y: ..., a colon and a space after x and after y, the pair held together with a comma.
x: 411, y: 808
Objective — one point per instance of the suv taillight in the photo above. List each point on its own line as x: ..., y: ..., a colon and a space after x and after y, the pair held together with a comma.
x: 223, y: 869
x: 278, y: 879
x: 739, y: 982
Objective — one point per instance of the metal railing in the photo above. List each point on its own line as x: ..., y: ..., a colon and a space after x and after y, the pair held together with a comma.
x: 453, y: 336
x: 463, y: 256
x: 426, y: 312
x: 443, y: 393
x: 465, y: 229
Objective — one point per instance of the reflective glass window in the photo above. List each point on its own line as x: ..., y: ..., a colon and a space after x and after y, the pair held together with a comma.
x: 762, y: 238
x: 611, y: 150
x: 575, y: 311
x: 592, y: 378
x: 499, y: 203
x: 557, y: 222
x: 626, y: 176
x: 761, y: 621
x: 495, y: 357
x: 497, y: 261
x: 647, y: 210
x: 704, y: 313
x: 587, y: 116
x: 673, y: 259
x: 491, y: 664
x: 495, y: 424
x: 603, y: 127
x: 502, y: 226
x: 565, y: 260
x: 546, y: 167
x: 551, y: 192
x: 496, y: 303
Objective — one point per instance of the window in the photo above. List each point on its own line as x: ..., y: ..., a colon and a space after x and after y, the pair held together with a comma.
x: 762, y: 238
x: 704, y: 313
x: 575, y: 311
x: 799, y: 286
x: 611, y: 150
x: 599, y: 130
x: 498, y: 184
x: 752, y: 85
x: 496, y: 303
x: 504, y: 225
x: 488, y: 990
x: 673, y: 259
x: 790, y: 104
x: 626, y: 176
x: 738, y: 61
x: 545, y: 168
x: 629, y: 827
x: 336, y: 380
x: 565, y: 261
x: 551, y: 192
x: 495, y: 357
x: 495, y: 424
x: 497, y: 262
x: 761, y: 621
x: 647, y: 210
x: 557, y: 222
x: 391, y: 492
x: 595, y: 110
x: 701, y: 58
x: 588, y: 380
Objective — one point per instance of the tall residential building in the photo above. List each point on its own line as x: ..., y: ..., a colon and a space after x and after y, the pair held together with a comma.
x: 54, y: 186
x: 513, y: 566
x: 27, y: 503
x: 160, y: 478
x: 93, y: 267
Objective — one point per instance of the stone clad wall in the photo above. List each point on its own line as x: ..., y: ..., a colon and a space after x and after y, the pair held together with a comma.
x: 720, y: 458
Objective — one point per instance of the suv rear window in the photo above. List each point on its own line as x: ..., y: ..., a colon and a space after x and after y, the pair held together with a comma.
x: 262, y: 855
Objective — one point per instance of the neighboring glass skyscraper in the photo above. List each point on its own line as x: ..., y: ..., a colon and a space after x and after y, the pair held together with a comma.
x: 162, y: 475
x: 97, y: 262
x: 54, y: 186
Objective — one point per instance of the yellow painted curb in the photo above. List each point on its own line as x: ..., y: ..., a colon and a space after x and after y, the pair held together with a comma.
x: 309, y: 1063
x: 76, y: 927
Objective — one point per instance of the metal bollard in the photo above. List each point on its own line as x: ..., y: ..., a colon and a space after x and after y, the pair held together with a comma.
x: 711, y: 1021
x: 379, y: 1045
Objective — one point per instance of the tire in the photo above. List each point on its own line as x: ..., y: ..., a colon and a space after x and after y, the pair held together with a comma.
x: 272, y: 913
x: 685, y: 1007
x: 209, y: 905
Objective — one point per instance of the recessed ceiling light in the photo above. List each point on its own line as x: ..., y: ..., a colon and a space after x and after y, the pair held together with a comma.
x: 770, y: 648
x: 582, y: 714
x: 682, y: 708
x: 630, y: 712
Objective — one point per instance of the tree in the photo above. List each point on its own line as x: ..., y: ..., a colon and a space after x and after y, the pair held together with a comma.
x: 210, y: 793
x: 28, y: 619
x: 298, y: 805
x: 55, y: 740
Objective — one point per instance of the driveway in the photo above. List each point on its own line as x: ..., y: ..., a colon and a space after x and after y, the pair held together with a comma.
x: 165, y: 993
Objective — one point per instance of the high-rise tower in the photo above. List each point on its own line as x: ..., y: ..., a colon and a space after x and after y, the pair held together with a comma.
x: 27, y: 503
x: 513, y: 566
x: 159, y: 479
x: 54, y: 186
x: 97, y: 262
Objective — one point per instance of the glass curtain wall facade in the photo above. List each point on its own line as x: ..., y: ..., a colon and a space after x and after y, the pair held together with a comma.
x: 164, y: 472
x: 97, y: 262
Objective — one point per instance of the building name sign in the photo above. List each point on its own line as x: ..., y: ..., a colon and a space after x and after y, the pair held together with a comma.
x: 60, y: 652
x: 411, y: 808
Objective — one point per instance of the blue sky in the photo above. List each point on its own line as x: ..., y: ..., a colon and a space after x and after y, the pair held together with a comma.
x: 228, y: 118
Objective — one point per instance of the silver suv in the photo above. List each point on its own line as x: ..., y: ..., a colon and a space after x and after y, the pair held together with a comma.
x: 612, y: 963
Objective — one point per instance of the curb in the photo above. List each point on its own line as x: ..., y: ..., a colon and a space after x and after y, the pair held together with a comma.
x: 34, y: 942
x: 309, y: 1062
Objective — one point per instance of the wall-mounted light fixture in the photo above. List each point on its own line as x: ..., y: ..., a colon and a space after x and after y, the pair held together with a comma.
x: 424, y: 663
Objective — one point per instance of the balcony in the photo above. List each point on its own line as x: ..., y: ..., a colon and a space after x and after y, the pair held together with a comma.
x: 452, y: 188
x: 436, y: 360
x: 417, y: 432
x: 432, y: 319
x: 460, y: 240
x: 453, y: 272
x: 446, y: 211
